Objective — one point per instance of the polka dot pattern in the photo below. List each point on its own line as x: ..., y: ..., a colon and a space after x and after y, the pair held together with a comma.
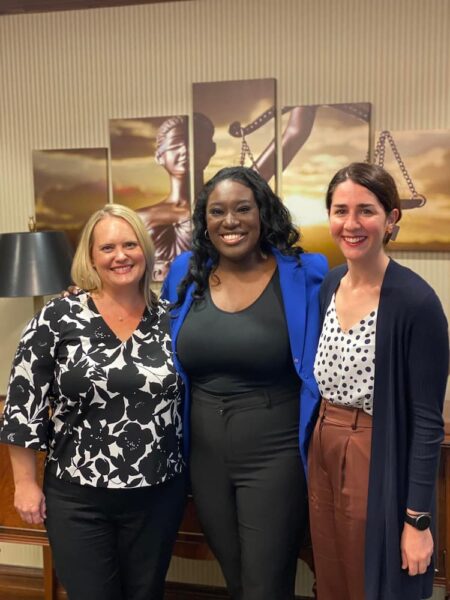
x: 345, y: 361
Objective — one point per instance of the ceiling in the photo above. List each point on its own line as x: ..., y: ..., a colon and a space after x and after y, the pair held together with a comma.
x: 14, y: 7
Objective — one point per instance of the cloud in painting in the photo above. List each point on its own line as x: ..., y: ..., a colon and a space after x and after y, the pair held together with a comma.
x: 227, y: 101
x: 68, y: 186
x: 132, y: 138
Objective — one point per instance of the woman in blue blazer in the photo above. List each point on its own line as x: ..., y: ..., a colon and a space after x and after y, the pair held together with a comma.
x: 245, y: 327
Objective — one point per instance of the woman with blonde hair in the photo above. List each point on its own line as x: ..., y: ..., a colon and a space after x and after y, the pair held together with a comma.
x: 93, y: 384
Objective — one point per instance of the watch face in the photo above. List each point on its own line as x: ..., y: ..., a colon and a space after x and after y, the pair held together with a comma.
x: 423, y: 522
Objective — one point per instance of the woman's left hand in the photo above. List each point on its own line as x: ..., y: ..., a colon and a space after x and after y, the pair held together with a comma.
x: 417, y: 549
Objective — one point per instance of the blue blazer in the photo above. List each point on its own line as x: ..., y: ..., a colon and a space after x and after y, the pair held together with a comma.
x: 300, y: 282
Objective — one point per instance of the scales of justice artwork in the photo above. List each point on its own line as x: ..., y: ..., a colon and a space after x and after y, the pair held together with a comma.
x: 235, y: 123
x: 69, y: 185
x: 419, y: 161
x: 150, y: 174
x: 318, y: 140
x: 226, y: 115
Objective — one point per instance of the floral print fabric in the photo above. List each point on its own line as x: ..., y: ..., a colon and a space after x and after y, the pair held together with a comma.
x: 106, y: 411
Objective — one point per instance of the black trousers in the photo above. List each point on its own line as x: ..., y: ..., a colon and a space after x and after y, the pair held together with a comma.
x: 249, y: 488
x: 110, y: 544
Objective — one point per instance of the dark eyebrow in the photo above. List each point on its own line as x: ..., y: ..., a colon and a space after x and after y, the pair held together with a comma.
x: 221, y: 202
x: 361, y: 205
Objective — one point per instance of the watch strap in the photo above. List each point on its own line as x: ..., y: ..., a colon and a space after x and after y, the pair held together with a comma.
x: 421, y: 521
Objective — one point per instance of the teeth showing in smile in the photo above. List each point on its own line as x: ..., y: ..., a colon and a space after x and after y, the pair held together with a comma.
x: 354, y: 240
x: 122, y: 269
x: 232, y: 237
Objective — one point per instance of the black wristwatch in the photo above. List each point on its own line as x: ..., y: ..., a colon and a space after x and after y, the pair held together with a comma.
x: 420, y: 522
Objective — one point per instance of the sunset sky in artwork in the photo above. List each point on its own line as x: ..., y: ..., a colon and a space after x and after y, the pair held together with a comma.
x: 137, y: 179
x: 426, y: 154
x: 243, y: 101
x: 69, y: 185
x: 336, y: 139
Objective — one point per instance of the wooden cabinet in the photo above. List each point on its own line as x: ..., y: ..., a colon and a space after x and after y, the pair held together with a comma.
x: 13, y: 529
x: 442, y: 577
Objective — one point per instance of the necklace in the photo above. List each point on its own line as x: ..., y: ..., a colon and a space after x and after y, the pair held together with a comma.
x: 130, y: 315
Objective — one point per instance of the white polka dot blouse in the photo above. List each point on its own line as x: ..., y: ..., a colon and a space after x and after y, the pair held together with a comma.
x: 345, y: 362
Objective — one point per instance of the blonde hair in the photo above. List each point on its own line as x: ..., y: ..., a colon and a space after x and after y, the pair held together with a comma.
x: 83, y: 273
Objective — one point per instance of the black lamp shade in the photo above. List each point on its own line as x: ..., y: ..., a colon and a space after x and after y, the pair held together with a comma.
x: 34, y: 263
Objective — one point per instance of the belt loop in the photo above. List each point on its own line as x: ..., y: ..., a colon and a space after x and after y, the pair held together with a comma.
x: 355, y: 418
x: 268, y: 398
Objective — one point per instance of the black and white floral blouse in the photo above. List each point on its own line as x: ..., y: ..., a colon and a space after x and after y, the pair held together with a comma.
x: 114, y: 406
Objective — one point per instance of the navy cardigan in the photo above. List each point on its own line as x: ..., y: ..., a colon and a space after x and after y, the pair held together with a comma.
x: 411, y: 363
x: 300, y: 281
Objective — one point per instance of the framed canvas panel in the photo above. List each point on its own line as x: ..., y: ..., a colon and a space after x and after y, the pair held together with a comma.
x: 234, y: 123
x: 150, y: 173
x: 69, y: 185
x: 419, y: 161
x: 318, y: 140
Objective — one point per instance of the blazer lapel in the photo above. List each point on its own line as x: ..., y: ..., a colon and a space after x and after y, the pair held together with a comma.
x: 180, y: 315
x: 293, y: 289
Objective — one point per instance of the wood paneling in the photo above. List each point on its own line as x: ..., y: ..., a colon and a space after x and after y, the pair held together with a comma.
x: 19, y: 583
x: 442, y: 556
x: 11, y: 525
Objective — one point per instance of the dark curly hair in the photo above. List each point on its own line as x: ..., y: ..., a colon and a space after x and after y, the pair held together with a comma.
x: 277, y: 229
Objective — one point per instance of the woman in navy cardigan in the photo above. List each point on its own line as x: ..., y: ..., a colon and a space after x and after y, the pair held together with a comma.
x: 245, y: 328
x: 381, y: 368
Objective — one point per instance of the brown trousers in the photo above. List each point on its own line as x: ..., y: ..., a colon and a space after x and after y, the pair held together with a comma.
x: 338, y: 466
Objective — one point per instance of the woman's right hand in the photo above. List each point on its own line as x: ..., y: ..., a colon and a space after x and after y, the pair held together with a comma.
x: 29, y: 501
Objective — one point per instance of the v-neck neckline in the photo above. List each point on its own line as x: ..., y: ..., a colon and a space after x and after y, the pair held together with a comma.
x: 370, y: 315
x: 93, y: 307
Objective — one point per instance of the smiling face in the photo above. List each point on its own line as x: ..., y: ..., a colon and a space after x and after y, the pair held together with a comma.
x: 233, y: 223
x: 116, y: 254
x: 358, y: 222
